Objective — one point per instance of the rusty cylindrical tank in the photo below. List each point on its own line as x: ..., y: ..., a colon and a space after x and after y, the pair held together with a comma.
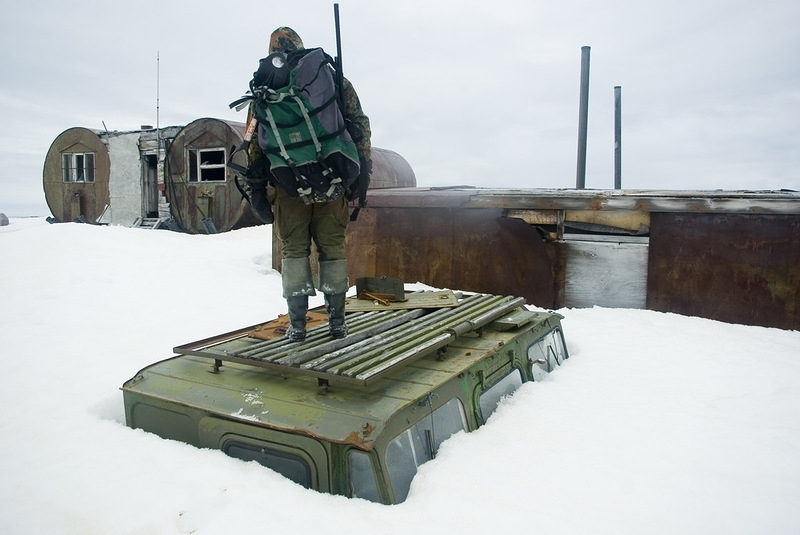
x: 390, y: 170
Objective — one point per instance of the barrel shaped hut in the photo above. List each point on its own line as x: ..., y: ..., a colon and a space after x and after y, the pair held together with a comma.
x: 76, y: 175
x: 201, y: 190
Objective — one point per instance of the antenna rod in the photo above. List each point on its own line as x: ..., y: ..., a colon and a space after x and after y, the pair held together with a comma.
x: 617, y: 137
x: 158, y: 96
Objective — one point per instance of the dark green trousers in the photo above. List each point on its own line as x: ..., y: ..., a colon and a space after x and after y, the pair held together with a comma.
x: 298, y: 224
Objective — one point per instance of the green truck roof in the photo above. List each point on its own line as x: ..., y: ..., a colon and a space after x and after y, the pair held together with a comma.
x: 311, y: 389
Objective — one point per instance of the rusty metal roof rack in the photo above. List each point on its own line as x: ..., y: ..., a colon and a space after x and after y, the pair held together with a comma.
x: 379, y: 341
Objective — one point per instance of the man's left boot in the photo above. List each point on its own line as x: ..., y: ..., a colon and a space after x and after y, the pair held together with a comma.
x: 334, y: 305
x: 334, y: 284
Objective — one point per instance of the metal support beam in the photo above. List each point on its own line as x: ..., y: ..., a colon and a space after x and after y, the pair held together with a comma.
x: 583, y: 118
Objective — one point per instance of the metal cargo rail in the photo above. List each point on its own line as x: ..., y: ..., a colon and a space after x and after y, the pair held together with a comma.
x: 379, y: 341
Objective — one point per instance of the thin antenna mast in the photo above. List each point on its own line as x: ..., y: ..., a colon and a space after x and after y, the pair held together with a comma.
x: 158, y: 106
x: 617, y: 137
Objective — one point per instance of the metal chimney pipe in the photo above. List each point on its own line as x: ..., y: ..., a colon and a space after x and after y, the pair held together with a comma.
x: 617, y: 137
x: 583, y: 118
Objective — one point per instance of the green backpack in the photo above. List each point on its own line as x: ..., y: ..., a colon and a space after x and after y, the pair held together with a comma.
x: 298, y: 118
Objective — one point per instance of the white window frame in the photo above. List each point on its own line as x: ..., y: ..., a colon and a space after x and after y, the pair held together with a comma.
x: 77, y: 167
x: 200, y: 171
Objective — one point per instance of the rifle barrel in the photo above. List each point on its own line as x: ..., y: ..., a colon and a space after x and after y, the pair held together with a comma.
x: 339, y: 70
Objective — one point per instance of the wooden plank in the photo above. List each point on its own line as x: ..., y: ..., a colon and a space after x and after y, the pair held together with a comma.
x: 430, y: 299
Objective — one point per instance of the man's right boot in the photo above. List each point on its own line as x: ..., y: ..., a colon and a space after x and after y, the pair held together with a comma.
x: 298, y: 308
x: 334, y: 284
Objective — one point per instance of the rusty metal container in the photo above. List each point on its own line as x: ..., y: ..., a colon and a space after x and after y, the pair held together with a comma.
x: 734, y: 267
x: 726, y: 255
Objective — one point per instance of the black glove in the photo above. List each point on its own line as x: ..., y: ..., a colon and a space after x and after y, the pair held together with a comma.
x: 363, y: 180
x: 359, y: 188
x: 259, y: 204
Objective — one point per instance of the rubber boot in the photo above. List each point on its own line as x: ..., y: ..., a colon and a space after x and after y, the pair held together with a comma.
x: 334, y: 305
x: 298, y: 309
x: 297, y: 286
x: 334, y: 284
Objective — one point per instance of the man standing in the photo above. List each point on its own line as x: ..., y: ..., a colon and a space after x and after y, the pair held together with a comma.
x: 323, y: 221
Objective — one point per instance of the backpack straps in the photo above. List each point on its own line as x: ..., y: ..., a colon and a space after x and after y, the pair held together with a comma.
x: 304, y: 190
x: 326, y: 169
x: 248, y: 135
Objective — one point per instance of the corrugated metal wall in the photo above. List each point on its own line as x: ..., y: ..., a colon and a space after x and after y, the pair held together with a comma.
x: 739, y: 268
x: 730, y: 256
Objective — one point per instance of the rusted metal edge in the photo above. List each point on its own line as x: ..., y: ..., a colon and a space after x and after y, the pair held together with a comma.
x: 198, y: 347
x: 762, y: 202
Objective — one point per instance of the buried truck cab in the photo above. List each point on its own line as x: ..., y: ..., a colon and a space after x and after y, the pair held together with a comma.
x: 357, y: 416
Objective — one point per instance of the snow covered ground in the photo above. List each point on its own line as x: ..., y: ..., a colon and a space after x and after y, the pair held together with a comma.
x: 658, y: 423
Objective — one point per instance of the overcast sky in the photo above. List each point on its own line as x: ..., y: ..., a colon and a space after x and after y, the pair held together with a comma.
x: 483, y: 93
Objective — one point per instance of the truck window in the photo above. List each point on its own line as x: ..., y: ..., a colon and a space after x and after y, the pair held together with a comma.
x: 546, y: 354
x: 419, y: 444
x: 288, y: 465
x: 490, y: 398
x: 362, y: 476
x: 443, y: 423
